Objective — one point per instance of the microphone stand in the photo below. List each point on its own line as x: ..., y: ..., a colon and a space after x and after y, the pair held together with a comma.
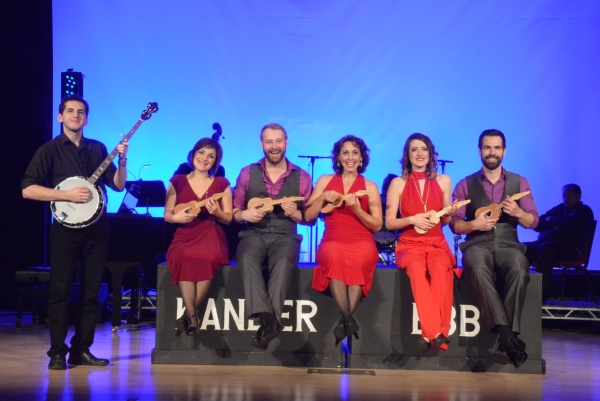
x: 443, y: 164
x: 315, y: 227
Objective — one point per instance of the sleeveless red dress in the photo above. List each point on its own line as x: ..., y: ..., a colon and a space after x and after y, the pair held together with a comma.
x: 347, y: 251
x: 199, y: 248
x: 427, y: 258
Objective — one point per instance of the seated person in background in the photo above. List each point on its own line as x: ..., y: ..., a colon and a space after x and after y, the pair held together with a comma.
x: 563, y: 231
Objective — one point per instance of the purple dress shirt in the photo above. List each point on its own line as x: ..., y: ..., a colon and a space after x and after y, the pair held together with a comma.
x: 241, y: 185
x: 495, y: 193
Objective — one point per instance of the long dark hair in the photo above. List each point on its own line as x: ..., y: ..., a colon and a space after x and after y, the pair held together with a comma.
x: 431, y: 168
x: 337, y: 148
x: 210, y: 144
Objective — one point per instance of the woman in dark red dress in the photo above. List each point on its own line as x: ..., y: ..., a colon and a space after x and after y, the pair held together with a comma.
x: 199, y: 246
x: 426, y: 257
x: 347, y: 255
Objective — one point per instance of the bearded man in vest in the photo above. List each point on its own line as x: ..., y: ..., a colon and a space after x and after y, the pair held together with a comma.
x: 492, y: 251
x: 271, y: 239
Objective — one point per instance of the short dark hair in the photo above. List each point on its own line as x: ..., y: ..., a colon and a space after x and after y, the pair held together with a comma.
x: 273, y: 126
x: 210, y: 144
x: 492, y: 132
x: 76, y: 98
x: 406, y: 165
x: 576, y: 189
x: 337, y: 148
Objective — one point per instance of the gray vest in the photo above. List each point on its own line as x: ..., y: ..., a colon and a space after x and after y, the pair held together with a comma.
x: 275, y: 221
x: 506, y: 227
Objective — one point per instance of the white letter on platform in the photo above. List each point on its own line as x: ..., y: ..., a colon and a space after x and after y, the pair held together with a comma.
x: 211, y: 310
x: 415, y: 325
x: 286, y: 315
x: 238, y: 318
x: 300, y: 316
x: 473, y: 320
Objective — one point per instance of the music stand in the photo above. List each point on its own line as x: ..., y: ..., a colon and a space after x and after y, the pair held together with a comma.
x: 147, y: 193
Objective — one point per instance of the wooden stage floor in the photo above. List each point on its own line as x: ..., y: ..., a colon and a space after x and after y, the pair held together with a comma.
x: 572, y: 357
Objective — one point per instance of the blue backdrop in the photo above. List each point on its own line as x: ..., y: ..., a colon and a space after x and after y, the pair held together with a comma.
x: 379, y: 69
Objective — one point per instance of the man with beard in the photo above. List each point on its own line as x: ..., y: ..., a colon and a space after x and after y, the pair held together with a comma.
x: 492, y: 250
x: 270, y: 237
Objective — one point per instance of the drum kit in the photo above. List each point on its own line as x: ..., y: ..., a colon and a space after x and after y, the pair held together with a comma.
x: 386, y: 242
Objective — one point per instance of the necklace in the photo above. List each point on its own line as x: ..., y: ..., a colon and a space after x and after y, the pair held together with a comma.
x: 199, y: 194
x: 425, y: 187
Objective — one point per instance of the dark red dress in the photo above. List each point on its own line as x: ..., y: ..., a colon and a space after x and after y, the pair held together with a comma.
x: 200, y: 247
x: 427, y: 258
x: 347, y: 251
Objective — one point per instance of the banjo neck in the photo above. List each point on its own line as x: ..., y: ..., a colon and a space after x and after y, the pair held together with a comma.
x: 104, y: 165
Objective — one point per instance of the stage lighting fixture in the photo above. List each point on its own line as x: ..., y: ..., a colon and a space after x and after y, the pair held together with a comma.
x: 71, y: 83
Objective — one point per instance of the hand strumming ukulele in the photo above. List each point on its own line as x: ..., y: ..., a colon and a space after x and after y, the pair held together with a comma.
x: 196, y: 206
x: 330, y: 206
x: 435, y: 216
x: 494, y: 210
x: 268, y: 203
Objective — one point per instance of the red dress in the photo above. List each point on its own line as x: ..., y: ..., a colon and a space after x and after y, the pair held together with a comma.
x: 200, y: 247
x: 347, y: 251
x: 427, y: 258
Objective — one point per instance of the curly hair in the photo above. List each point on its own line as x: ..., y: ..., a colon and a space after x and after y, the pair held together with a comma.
x: 356, y: 141
x: 210, y: 144
x: 405, y: 163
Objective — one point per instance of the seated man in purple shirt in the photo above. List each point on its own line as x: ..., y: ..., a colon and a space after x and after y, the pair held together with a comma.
x: 270, y: 237
x: 492, y: 247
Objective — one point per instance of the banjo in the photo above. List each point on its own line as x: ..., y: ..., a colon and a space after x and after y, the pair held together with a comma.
x: 79, y: 215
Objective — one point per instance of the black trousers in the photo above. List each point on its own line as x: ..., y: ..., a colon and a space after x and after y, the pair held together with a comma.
x: 545, y: 254
x: 493, y: 262
x: 282, y: 252
x: 69, y: 248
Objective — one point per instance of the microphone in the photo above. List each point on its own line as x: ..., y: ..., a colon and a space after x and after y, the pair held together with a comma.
x: 140, y: 171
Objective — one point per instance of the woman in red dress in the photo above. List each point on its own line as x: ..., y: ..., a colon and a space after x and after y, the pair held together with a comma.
x: 347, y: 255
x: 426, y: 257
x: 199, y: 246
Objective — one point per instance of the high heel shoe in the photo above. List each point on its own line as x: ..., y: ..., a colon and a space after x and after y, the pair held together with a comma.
x: 423, y: 344
x: 339, y: 332
x: 350, y: 326
x: 181, y: 324
x: 191, y: 329
x: 440, y: 340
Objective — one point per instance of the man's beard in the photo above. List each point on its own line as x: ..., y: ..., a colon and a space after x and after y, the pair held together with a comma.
x: 274, y: 159
x: 492, y: 163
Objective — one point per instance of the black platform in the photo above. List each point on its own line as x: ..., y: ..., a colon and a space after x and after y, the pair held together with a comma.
x: 387, y: 320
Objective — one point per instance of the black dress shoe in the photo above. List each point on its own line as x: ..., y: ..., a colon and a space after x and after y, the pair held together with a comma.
x: 57, y: 362
x: 339, y: 332
x: 255, y: 342
x: 86, y: 358
x: 271, y: 331
x: 351, y: 326
x: 511, y: 350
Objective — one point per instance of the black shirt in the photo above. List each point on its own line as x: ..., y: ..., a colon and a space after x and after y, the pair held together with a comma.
x: 59, y: 159
x: 569, y: 225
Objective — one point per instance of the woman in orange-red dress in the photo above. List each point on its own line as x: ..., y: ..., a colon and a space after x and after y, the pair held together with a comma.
x: 426, y: 257
x: 347, y: 255
x: 199, y: 246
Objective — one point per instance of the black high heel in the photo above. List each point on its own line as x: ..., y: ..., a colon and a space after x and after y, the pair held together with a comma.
x: 423, y: 344
x: 440, y: 340
x: 351, y: 326
x: 191, y: 329
x: 339, y: 332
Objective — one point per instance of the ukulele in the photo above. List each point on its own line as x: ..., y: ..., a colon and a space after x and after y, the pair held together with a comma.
x: 494, y: 210
x: 196, y: 206
x: 435, y: 216
x: 330, y: 206
x: 268, y: 203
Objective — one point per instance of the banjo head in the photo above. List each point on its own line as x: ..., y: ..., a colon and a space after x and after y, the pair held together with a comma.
x: 78, y: 215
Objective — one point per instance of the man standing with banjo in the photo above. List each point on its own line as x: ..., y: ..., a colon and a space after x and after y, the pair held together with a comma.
x: 69, y: 155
